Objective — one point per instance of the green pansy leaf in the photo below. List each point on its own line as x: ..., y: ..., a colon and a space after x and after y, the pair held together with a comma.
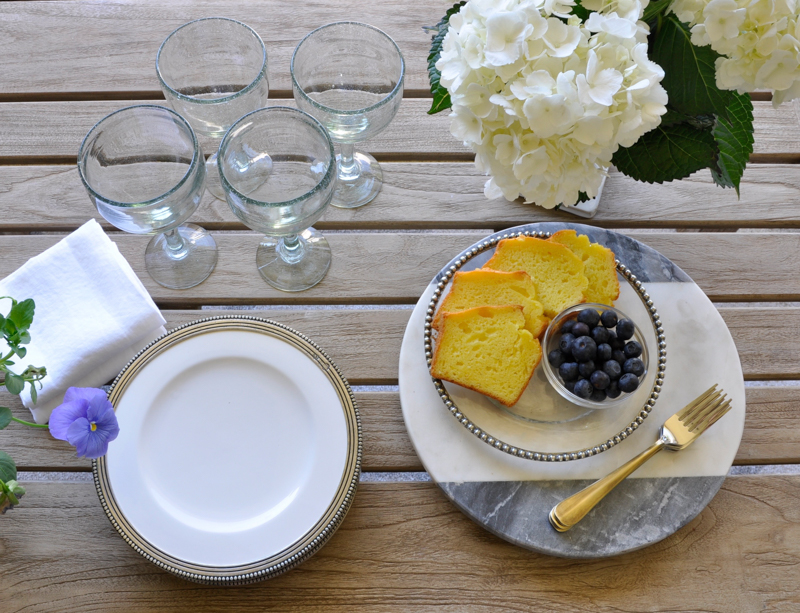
x: 441, y: 97
x: 21, y: 351
x: 734, y: 135
x: 667, y: 153
x: 5, y: 417
x: 8, y: 470
x: 690, y: 74
x: 14, y: 383
x: 22, y: 314
x: 25, y: 338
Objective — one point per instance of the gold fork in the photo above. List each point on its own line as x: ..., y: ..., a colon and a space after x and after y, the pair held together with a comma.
x: 677, y: 433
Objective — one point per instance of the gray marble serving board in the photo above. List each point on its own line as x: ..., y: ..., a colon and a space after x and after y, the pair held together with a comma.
x: 512, y: 497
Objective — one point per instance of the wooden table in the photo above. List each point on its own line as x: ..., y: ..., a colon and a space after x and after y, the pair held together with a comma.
x: 403, y: 546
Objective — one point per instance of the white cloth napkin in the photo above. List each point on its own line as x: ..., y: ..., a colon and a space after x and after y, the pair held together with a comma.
x: 92, y: 314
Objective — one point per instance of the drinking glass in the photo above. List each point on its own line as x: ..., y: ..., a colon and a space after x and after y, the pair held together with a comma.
x: 144, y: 171
x: 277, y: 168
x: 212, y: 71
x: 350, y: 76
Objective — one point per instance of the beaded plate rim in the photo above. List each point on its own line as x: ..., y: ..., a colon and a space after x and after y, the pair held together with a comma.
x: 529, y: 454
x: 305, y: 546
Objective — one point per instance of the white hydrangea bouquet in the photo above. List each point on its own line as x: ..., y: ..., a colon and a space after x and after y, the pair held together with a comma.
x: 550, y: 93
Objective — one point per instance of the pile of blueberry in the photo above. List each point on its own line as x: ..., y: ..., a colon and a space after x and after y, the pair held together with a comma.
x: 597, y: 357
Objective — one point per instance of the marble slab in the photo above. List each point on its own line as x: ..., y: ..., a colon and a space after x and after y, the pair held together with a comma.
x: 512, y: 496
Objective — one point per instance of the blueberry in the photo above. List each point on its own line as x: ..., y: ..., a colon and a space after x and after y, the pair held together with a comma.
x: 612, y: 369
x: 598, y: 395
x: 609, y: 319
x: 628, y: 382
x: 624, y: 329
x: 566, y: 342
x: 614, y: 341
x: 583, y: 389
x: 568, y: 371
x: 619, y: 356
x: 604, y: 352
x: 612, y: 391
x: 632, y: 349
x: 584, y: 348
x: 600, y: 334
x: 567, y: 326
x: 634, y: 366
x: 580, y: 329
x: 556, y: 358
x: 590, y: 317
x: 600, y: 380
x: 585, y: 369
x: 570, y: 386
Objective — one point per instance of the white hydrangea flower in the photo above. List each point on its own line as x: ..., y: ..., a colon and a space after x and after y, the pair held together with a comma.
x: 545, y: 100
x: 759, y: 41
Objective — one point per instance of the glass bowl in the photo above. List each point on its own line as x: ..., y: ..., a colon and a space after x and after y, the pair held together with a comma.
x: 550, y: 342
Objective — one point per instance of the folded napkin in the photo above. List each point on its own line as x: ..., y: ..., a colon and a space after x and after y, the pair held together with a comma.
x: 92, y: 315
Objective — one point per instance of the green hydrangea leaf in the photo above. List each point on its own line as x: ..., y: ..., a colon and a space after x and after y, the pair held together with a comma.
x: 8, y: 470
x: 690, y: 74
x: 5, y: 417
x: 734, y: 135
x: 22, y: 314
x: 579, y: 11
x: 667, y: 153
x: 14, y: 383
x: 654, y: 9
x: 441, y: 97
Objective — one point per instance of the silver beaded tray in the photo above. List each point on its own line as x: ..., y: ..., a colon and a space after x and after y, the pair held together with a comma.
x: 517, y: 450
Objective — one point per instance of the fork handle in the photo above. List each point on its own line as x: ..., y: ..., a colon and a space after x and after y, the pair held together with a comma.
x: 570, y: 511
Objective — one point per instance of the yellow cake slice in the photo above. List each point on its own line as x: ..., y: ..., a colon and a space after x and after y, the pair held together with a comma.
x: 557, y: 273
x: 494, y: 288
x: 487, y: 349
x: 598, y: 263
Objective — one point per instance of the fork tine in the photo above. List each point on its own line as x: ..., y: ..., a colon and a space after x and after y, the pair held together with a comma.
x: 694, y: 403
x: 701, y: 411
x: 713, y: 417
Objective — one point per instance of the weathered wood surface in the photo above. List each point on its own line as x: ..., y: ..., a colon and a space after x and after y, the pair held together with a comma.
x: 395, y: 267
x: 42, y: 130
x: 40, y: 42
x: 365, y: 345
x: 445, y: 195
x: 404, y: 547
x: 771, y: 434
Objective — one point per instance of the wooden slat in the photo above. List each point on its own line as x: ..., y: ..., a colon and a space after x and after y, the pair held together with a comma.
x: 771, y: 434
x: 366, y: 267
x: 390, y: 267
x: 365, y: 345
x: 405, y: 547
x: 102, y: 46
x: 42, y: 129
x: 445, y: 195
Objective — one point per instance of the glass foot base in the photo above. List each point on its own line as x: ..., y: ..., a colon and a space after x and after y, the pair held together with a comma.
x: 312, y: 259
x: 185, y: 266
x: 366, y: 183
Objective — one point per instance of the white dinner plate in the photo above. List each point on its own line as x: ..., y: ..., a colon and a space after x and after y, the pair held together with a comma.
x: 238, y: 454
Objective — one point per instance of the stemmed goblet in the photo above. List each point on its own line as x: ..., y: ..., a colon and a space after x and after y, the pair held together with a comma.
x: 212, y: 71
x: 143, y: 169
x: 277, y: 168
x: 349, y: 75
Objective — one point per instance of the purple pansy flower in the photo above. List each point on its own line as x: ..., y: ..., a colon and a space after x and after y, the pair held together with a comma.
x: 86, y: 420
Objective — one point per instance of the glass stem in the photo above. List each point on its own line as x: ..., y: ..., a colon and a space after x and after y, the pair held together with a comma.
x: 175, y: 248
x: 291, y: 249
x: 349, y: 169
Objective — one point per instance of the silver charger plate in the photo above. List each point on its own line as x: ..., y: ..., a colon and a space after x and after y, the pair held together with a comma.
x: 239, y: 451
x: 511, y: 496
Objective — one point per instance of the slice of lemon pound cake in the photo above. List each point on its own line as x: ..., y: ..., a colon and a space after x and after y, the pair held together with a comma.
x: 599, y: 266
x: 557, y: 273
x: 487, y: 349
x: 476, y: 288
